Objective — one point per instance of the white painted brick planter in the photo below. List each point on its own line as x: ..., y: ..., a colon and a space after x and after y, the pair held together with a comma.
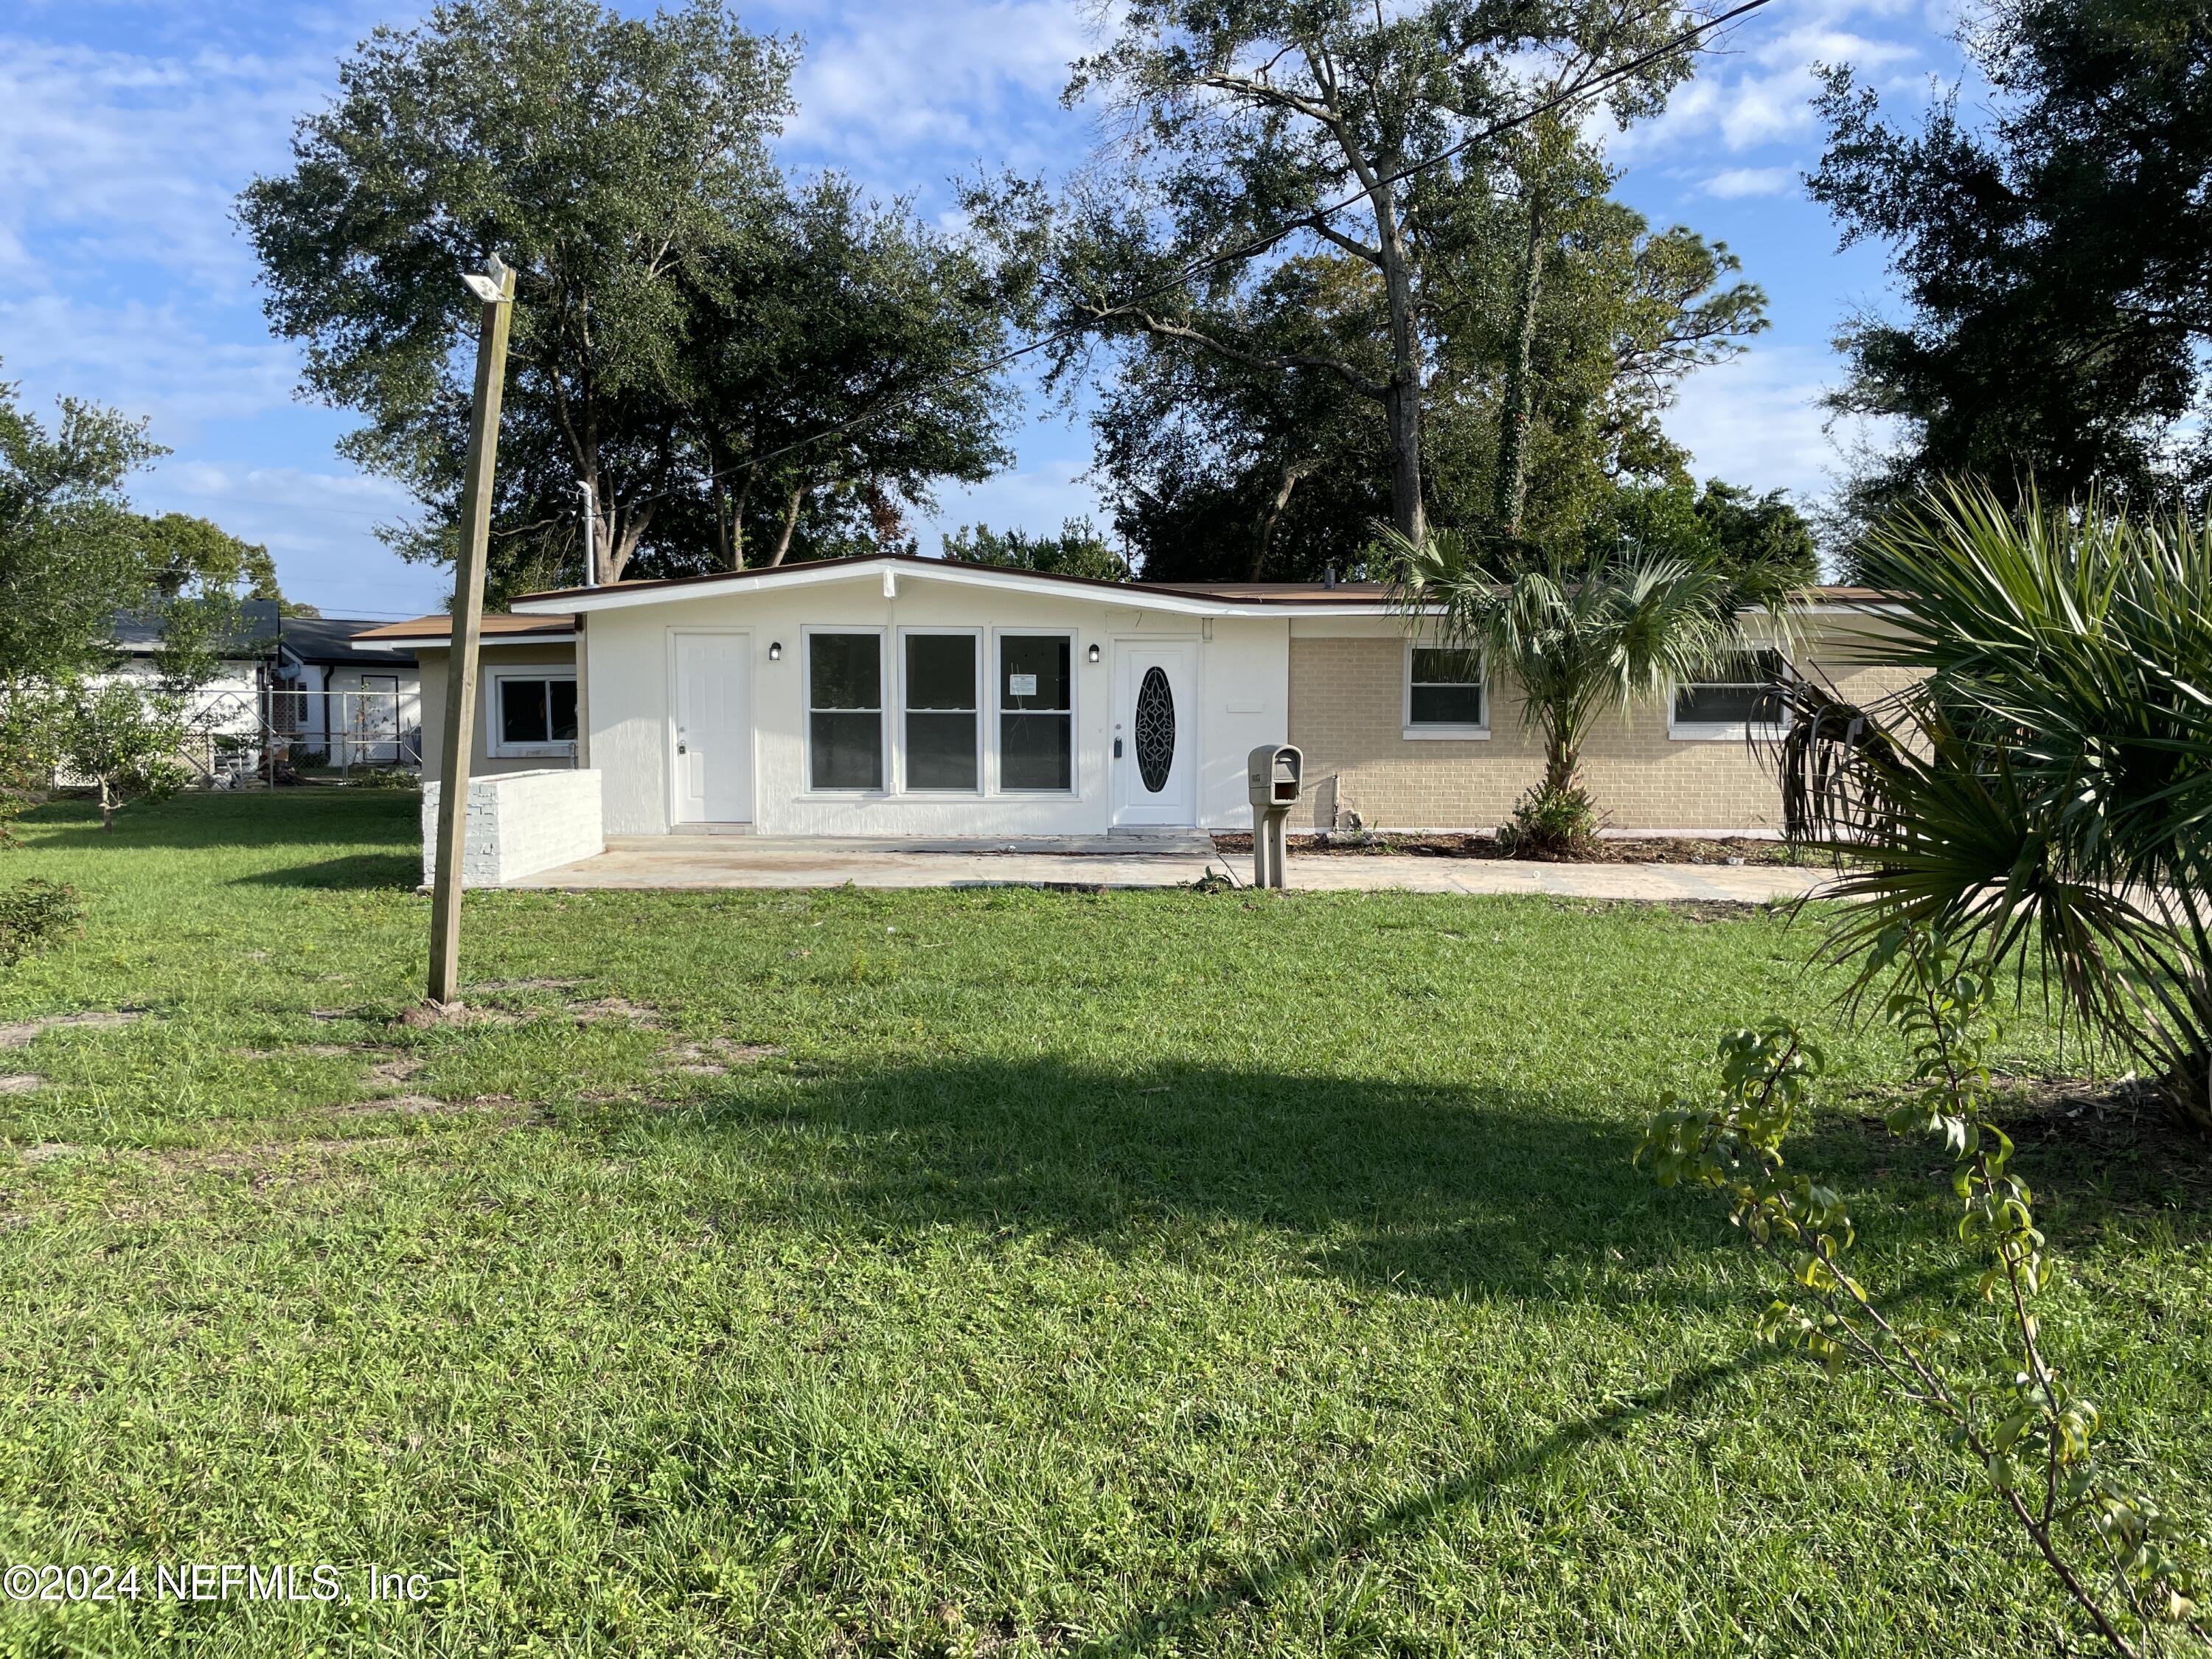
x: 518, y: 823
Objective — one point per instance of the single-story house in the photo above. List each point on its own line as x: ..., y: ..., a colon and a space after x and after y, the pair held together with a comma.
x: 894, y: 696
x: 296, y: 680
x: 327, y: 697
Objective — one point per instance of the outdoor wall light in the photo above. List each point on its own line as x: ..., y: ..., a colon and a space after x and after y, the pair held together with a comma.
x: 775, y: 650
x: 1093, y: 653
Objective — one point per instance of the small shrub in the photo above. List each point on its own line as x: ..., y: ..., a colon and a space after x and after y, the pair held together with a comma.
x: 1553, y: 824
x: 35, y: 916
x: 2129, y: 1568
x: 383, y: 777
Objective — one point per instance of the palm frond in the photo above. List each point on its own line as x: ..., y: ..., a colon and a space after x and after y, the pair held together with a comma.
x: 2048, y: 788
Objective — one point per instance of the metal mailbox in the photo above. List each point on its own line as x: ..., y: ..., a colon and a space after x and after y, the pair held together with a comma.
x: 1274, y: 773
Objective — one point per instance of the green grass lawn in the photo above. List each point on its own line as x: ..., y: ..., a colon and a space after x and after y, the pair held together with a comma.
x: 1167, y: 1273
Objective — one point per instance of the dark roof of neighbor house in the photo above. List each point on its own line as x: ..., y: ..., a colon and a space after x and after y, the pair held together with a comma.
x: 1286, y: 594
x: 139, y: 632
x: 438, y: 630
x: 330, y: 639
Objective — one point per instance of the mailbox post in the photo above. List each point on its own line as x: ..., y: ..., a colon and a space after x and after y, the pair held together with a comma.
x: 1275, y: 772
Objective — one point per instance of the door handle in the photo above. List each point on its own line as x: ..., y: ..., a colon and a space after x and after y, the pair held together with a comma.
x: 681, y: 749
x: 1117, y: 749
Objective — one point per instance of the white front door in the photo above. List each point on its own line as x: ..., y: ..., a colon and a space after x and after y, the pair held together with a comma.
x: 1155, y: 740
x: 714, y: 728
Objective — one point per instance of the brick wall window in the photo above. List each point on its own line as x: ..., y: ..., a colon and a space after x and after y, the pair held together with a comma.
x: 1741, y: 696
x: 1445, y: 695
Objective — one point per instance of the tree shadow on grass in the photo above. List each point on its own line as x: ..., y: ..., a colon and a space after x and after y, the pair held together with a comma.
x: 1446, y: 1190
x: 1412, y: 1516
x: 248, y: 820
x: 361, y: 871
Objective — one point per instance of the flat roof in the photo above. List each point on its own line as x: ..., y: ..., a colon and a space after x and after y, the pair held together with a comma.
x: 1228, y: 599
x: 438, y: 630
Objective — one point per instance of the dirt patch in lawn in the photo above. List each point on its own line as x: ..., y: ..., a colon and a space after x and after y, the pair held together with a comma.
x: 430, y: 1106
x: 715, y: 1056
x: 1645, y: 849
x: 19, y: 1083
x: 621, y: 1008
x: 20, y: 1036
x: 2097, y: 1131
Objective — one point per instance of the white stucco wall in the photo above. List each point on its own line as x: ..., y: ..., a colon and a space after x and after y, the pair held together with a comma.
x: 1243, y: 696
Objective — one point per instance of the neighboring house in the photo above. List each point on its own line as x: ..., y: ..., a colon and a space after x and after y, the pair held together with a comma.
x: 897, y: 695
x: 296, y: 680
x: 526, y: 694
x: 329, y: 698
x: 248, y: 652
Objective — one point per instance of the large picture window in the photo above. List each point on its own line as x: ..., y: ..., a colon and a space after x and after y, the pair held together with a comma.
x: 1444, y: 688
x: 1036, y: 712
x: 533, y: 712
x: 1743, y: 693
x: 845, y: 710
x: 941, y: 716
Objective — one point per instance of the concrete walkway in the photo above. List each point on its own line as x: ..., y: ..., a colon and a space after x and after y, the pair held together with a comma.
x: 1172, y: 860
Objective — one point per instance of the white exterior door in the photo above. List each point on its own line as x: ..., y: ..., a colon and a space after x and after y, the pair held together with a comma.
x: 1154, y: 753
x: 714, y: 728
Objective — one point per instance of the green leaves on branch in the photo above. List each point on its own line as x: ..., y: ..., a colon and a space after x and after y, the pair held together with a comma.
x: 2116, y: 1555
x: 714, y: 348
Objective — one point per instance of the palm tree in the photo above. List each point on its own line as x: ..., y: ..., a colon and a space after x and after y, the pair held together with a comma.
x: 2048, y: 785
x: 1580, y: 644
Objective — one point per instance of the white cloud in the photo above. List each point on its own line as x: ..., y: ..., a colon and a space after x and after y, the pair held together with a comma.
x: 1751, y: 181
x: 321, y: 527
x: 1756, y: 421
x: 157, y: 360
x: 890, y: 91
x: 110, y: 159
x: 1758, y: 87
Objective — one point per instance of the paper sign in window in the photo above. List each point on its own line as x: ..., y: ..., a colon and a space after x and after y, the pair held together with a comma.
x: 1021, y: 685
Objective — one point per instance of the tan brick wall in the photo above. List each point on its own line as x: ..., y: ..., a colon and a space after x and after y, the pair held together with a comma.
x: 1348, y: 705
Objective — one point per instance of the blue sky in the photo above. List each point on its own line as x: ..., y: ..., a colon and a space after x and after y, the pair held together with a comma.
x: 127, y: 127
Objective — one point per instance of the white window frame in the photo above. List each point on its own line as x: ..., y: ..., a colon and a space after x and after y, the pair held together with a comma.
x: 982, y: 645
x: 993, y: 779
x: 1682, y: 731
x: 885, y: 681
x: 495, y: 680
x: 1432, y: 730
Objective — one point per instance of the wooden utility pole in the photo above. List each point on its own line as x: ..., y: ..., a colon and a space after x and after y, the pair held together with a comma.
x: 495, y: 289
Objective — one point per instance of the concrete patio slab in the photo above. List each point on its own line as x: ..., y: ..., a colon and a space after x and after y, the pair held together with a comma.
x: 706, y: 862
x: 699, y: 861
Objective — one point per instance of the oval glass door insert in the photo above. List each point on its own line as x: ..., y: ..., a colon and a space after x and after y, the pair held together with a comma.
x: 1156, y: 731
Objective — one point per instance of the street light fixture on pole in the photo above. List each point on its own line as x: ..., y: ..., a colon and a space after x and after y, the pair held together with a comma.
x: 495, y: 290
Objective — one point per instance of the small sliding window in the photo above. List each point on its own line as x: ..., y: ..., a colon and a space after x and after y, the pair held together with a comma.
x: 535, y: 712
x: 1036, y: 712
x: 943, y: 751
x: 845, y: 711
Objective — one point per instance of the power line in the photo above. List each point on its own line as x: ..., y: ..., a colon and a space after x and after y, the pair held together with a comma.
x: 1580, y: 91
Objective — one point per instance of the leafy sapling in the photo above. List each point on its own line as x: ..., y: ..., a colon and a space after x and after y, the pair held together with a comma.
x: 2119, y: 1559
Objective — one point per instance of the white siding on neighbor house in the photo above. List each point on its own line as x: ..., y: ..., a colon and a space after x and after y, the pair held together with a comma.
x: 518, y: 823
x: 1243, y: 694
